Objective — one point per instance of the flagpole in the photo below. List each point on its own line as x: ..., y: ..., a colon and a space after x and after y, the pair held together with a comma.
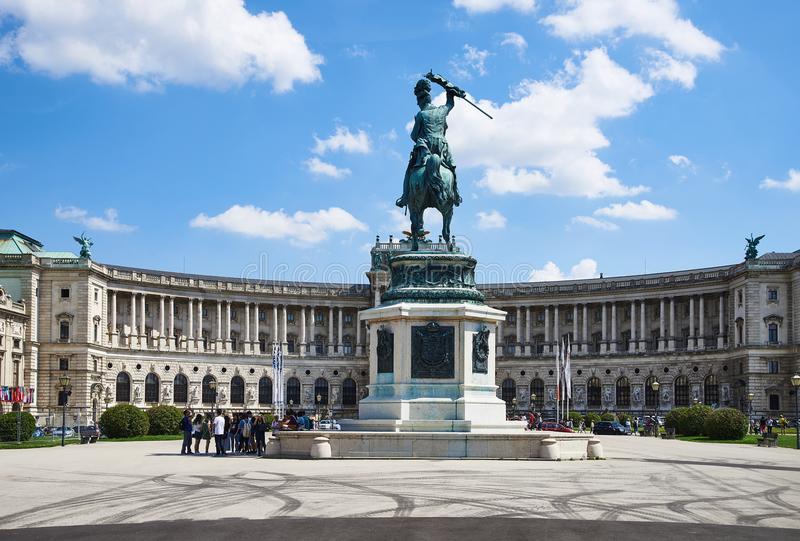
x: 558, y: 381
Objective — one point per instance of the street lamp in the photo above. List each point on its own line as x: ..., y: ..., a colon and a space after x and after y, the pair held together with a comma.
x: 655, y: 386
x: 750, y: 397
x: 796, y: 385
x: 533, y: 402
x: 319, y: 403
x: 64, y: 383
x: 213, y: 386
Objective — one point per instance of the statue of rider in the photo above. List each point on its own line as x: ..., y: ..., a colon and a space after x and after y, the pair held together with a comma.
x: 430, y: 144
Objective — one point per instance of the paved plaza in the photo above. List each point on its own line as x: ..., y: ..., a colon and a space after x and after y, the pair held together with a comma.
x: 643, y: 480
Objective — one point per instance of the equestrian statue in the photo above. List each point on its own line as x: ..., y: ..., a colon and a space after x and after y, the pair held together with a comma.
x: 430, y: 179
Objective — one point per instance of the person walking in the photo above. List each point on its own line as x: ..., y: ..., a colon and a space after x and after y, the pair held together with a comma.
x: 260, y: 432
x: 197, y: 431
x: 245, y: 431
x: 233, y: 432
x: 628, y: 426
x: 635, y: 426
x: 770, y: 422
x: 205, y: 430
x: 219, y: 433
x: 186, y: 427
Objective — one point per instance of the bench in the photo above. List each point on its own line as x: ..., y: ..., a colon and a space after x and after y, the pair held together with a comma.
x: 769, y: 440
x: 669, y: 434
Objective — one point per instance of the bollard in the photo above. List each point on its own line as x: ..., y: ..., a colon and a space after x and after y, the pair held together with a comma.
x: 321, y: 448
x: 549, y: 449
x: 595, y: 449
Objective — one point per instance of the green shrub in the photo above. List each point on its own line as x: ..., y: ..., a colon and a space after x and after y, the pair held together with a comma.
x: 695, y: 420
x: 725, y: 424
x: 124, y: 421
x: 676, y: 419
x: 576, y: 418
x: 608, y: 416
x: 591, y: 418
x: 164, y: 420
x: 623, y: 417
x: 8, y: 426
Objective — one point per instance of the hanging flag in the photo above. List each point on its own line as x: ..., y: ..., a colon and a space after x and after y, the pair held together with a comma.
x: 558, y: 372
x: 568, y: 371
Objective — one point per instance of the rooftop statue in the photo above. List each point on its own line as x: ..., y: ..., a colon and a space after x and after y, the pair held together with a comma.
x: 430, y: 179
x: 85, y: 243
x: 751, y: 252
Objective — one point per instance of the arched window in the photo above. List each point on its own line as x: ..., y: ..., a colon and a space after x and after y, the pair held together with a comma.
x: 710, y: 390
x: 623, y: 393
x: 321, y: 391
x: 180, y: 389
x: 209, y: 394
x: 650, y: 396
x: 537, y: 394
x: 682, y: 391
x: 151, y: 388
x: 265, y: 390
x: 508, y: 390
x: 347, y: 345
x: 293, y: 391
x: 349, y: 392
x: 237, y: 390
x: 123, y: 387
x: 593, y: 392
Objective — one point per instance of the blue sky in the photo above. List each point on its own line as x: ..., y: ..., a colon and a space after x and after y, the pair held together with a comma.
x: 271, y: 137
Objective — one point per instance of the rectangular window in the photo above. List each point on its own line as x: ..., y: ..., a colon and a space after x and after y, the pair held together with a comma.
x: 205, y: 313
x: 16, y: 375
x: 63, y: 364
x: 774, y: 367
x: 540, y: 318
x: 772, y: 295
x: 290, y: 345
x: 739, y: 298
x: 772, y: 330
x: 319, y: 318
x: 348, y: 319
x: 64, y: 292
x: 774, y: 402
x: 262, y: 315
x: 290, y: 317
x: 96, y: 295
x: 96, y: 333
x: 233, y: 314
x: 17, y: 343
x: 568, y: 317
x: 511, y: 318
x: 63, y: 331
x: 94, y: 363
x: 598, y: 315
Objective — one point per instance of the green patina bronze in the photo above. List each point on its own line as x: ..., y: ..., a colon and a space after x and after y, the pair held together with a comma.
x: 430, y: 179
x: 432, y: 277
x: 751, y: 252
x: 86, y: 243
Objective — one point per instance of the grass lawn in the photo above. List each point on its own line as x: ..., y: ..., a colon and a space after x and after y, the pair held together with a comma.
x: 164, y: 437
x: 788, y: 441
x: 36, y: 443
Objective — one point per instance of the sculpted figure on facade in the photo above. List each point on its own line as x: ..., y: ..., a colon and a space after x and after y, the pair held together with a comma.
x: 137, y: 394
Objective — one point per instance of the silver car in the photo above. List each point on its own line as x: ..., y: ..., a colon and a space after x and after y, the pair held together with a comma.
x: 329, y: 424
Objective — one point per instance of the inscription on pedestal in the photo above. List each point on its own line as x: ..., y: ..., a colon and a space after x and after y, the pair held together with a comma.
x: 385, y: 351
x: 432, y: 351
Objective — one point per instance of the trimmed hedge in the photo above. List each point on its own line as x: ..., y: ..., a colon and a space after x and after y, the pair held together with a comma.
x: 623, y: 417
x: 576, y: 418
x: 164, y: 420
x: 608, y: 417
x: 124, y: 421
x: 725, y: 424
x: 689, y: 421
x: 8, y: 426
x: 676, y: 418
x: 591, y: 418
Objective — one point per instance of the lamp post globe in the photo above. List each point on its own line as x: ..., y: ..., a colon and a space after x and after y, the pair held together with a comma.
x: 750, y: 397
x: 796, y: 385
x: 655, y: 386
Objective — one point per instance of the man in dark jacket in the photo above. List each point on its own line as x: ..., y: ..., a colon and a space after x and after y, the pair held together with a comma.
x: 186, y: 427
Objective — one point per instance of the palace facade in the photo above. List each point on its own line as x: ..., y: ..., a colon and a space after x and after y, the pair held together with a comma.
x: 725, y: 336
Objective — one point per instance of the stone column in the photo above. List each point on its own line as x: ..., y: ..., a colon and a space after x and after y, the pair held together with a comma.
x: 547, y: 345
x: 218, y: 337
x: 331, y: 338
x: 585, y: 334
x: 190, y: 341
x: 632, y: 344
x: 661, y: 325
x: 142, y: 323
x: 528, y: 347
x: 312, y: 346
x: 556, y: 332
x: 690, y: 343
x: 200, y: 324
x: 247, y: 343
x: 603, y: 327
x: 701, y: 339
x: 284, y: 341
x: 574, y: 344
x: 671, y: 341
x: 642, y: 326
x: 613, y: 327
x: 161, y: 322
x: 499, y: 342
x: 114, y: 338
x: 359, y: 346
x: 171, y: 335
x: 275, y: 338
x: 228, y: 341
x: 721, y: 334
x: 303, y: 340
x: 256, y: 331
x: 339, y: 331
x: 133, y: 339
x: 518, y: 347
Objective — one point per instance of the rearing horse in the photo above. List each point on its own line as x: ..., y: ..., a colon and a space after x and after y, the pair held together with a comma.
x: 431, y: 185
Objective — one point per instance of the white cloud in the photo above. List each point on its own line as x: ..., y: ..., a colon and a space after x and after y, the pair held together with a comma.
x: 345, y: 141
x: 357, y: 51
x: 487, y: 6
x: 491, y: 220
x: 516, y: 41
x: 399, y: 222
x: 545, y: 140
x: 318, y: 167
x: 473, y: 60
x: 659, y: 19
x: 680, y: 161
x: 584, y: 269
x: 300, y: 228
x: 644, y: 210
x: 145, y: 45
x: 596, y: 223
x: 108, y: 222
x: 663, y: 67
x: 792, y: 183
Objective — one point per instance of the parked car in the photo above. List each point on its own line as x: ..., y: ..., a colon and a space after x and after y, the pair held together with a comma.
x: 555, y: 427
x: 612, y: 428
x: 38, y: 432
x: 87, y: 431
x: 68, y: 432
x: 329, y: 424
